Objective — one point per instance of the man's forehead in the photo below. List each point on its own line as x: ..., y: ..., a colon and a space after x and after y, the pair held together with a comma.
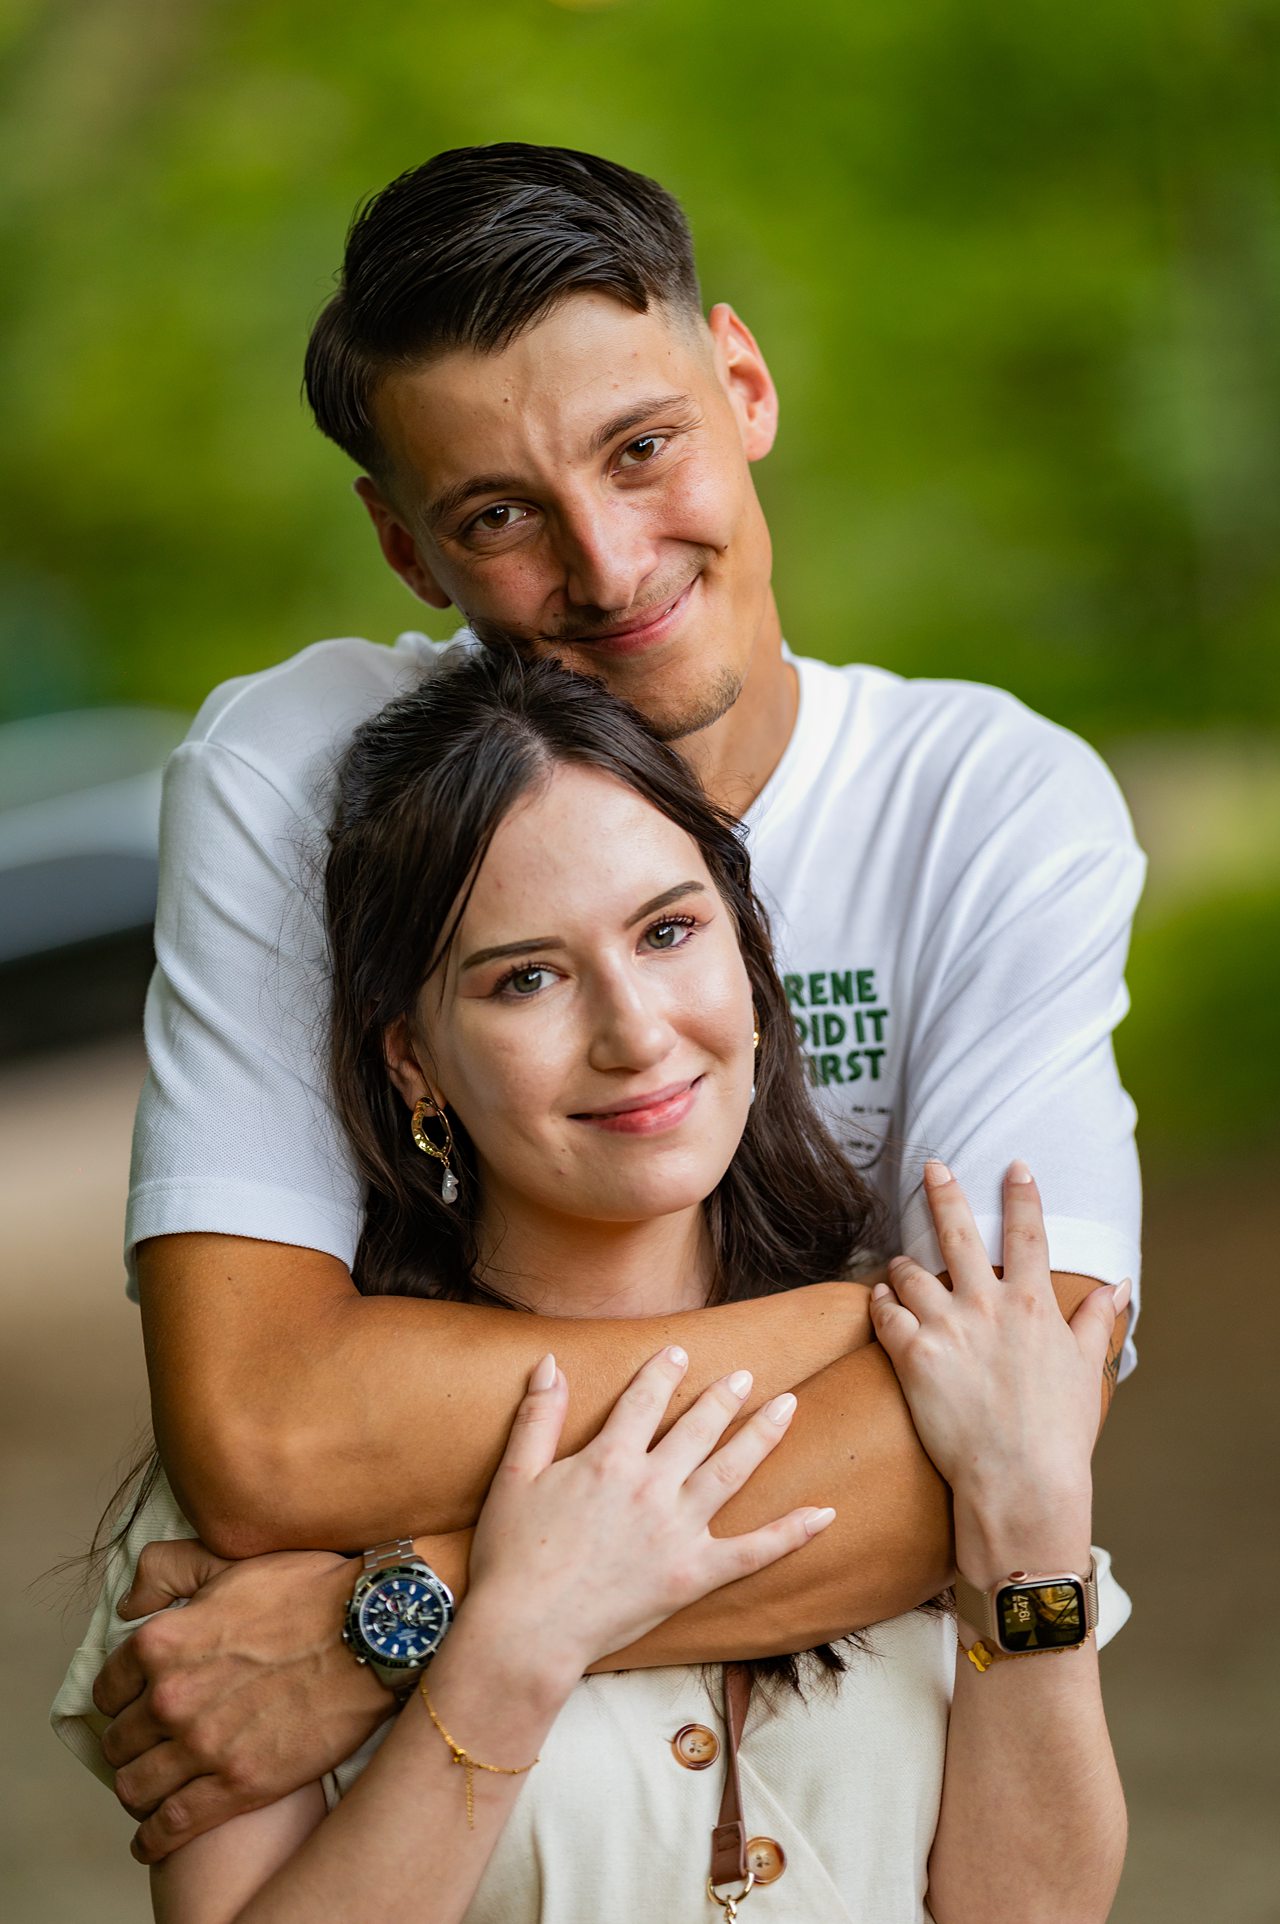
x: 580, y: 376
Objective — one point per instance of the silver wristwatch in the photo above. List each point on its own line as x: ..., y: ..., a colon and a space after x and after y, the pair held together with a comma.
x: 398, y: 1615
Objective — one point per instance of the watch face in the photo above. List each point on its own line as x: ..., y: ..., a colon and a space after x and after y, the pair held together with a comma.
x: 403, y: 1616
x: 1041, y: 1616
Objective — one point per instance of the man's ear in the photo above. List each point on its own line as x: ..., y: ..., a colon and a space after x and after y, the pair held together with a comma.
x: 398, y: 548
x: 744, y: 375
x: 402, y: 1063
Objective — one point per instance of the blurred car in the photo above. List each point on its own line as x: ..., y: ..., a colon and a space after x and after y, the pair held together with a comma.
x: 79, y: 828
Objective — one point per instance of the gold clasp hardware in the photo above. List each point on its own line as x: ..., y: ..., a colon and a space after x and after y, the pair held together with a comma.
x: 730, y: 1903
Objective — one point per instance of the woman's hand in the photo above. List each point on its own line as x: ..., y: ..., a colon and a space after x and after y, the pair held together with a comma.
x: 584, y: 1555
x: 1005, y: 1395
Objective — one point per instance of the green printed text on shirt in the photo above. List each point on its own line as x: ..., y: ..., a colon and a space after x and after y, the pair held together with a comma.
x: 833, y: 1009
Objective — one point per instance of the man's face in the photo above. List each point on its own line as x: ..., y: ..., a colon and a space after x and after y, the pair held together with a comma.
x: 588, y: 492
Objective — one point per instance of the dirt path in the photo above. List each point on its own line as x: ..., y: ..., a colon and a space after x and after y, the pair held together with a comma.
x: 1187, y: 1504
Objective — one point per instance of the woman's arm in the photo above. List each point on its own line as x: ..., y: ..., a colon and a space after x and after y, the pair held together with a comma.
x: 1032, y: 1825
x: 1005, y: 1398
x: 594, y: 1548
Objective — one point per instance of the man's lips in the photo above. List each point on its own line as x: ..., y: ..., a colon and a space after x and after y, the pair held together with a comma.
x: 637, y: 634
x: 647, y: 1114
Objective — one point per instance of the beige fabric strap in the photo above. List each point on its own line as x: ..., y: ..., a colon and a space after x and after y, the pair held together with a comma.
x: 729, y: 1837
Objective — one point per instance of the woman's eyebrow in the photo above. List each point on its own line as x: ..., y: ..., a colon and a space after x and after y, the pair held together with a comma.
x: 665, y: 900
x: 544, y: 942
x: 511, y: 948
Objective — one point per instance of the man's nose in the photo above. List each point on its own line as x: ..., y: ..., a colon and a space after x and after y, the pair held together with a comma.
x: 607, y: 555
x: 631, y: 1028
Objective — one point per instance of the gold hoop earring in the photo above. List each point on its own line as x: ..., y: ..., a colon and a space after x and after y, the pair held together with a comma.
x: 423, y: 1110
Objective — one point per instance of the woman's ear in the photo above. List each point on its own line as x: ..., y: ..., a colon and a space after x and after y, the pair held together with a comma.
x: 402, y: 1063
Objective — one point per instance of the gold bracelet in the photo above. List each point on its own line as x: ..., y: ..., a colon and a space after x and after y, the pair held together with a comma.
x: 470, y: 1764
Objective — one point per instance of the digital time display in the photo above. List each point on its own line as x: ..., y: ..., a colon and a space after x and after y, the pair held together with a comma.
x: 1041, y: 1616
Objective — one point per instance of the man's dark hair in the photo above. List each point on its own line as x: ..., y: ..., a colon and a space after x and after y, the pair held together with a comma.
x: 473, y: 247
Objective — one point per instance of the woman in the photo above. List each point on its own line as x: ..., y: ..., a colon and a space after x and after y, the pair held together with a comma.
x: 550, y: 975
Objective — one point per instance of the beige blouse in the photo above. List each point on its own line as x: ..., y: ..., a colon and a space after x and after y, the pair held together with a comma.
x: 840, y: 1788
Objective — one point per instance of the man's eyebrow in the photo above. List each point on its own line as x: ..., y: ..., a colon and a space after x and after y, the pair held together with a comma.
x: 539, y: 944
x: 636, y: 415
x: 449, y: 500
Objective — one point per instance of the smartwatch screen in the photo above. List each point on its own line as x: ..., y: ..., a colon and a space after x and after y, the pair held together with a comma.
x: 1041, y: 1616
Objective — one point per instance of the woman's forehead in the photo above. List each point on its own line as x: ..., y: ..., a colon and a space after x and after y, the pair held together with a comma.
x: 580, y: 847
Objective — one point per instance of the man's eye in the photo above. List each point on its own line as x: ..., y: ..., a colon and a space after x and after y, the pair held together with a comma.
x: 639, y: 452
x: 497, y: 519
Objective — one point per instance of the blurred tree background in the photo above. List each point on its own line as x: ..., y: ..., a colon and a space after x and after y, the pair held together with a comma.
x: 1016, y: 271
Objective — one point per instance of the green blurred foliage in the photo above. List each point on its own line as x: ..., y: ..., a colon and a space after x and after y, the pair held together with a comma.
x: 1016, y: 269
x: 1200, y: 1048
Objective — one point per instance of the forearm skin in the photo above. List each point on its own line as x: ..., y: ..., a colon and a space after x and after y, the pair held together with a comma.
x: 386, y: 1416
x: 293, y: 1413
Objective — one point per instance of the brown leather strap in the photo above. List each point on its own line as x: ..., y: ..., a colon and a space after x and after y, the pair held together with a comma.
x: 729, y: 1838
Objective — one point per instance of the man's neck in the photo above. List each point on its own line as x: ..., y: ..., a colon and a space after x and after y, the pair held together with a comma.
x: 735, y: 756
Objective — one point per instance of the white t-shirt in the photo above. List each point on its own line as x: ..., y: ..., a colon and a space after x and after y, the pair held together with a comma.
x: 951, y: 880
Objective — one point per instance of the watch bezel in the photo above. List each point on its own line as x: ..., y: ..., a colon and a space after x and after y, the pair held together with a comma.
x: 1024, y: 1583
x: 393, y: 1670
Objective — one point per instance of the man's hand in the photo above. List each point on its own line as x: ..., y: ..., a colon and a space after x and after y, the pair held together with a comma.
x: 237, y: 1699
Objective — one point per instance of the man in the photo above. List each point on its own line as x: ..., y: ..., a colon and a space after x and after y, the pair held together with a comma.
x: 556, y: 442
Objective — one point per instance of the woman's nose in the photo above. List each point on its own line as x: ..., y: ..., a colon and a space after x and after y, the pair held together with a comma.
x: 631, y: 1029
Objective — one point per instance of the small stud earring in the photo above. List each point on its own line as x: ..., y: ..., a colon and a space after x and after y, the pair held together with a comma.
x: 423, y: 1111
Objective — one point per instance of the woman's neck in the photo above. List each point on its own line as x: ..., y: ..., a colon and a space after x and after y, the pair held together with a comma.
x: 565, y: 1266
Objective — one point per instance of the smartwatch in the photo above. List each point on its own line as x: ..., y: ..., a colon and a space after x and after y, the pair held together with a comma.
x: 1025, y: 1615
x: 398, y: 1614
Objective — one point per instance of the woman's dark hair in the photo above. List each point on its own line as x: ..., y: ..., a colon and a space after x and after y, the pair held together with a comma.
x: 421, y: 792
x: 471, y: 249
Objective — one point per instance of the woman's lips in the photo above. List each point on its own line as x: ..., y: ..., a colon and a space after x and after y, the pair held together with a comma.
x: 646, y: 1115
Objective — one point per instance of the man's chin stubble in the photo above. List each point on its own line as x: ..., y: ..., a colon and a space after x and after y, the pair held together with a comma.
x: 670, y: 722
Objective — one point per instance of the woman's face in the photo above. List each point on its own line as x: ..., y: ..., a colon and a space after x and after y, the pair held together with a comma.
x: 593, y: 1026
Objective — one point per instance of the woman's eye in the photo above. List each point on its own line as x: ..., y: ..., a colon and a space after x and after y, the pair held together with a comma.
x: 672, y: 934
x: 639, y: 452
x: 524, y: 982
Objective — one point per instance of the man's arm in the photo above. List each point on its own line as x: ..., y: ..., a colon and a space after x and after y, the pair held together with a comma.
x: 303, y: 1415
x: 294, y: 1413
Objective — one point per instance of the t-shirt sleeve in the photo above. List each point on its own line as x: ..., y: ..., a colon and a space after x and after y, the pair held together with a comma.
x: 235, y: 1131
x: 1021, y: 981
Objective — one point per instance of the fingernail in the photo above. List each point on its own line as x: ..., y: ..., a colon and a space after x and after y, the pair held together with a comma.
x: 1124, y: 1291
x: 676, y: 1356
x: 936, y: 1173
x: 1018, y: 1172
x: 818, y: 1520
x: 779, y: 1411
x: 740, y: 1382
x: 545, y: 1374
x: 879, y: 1293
